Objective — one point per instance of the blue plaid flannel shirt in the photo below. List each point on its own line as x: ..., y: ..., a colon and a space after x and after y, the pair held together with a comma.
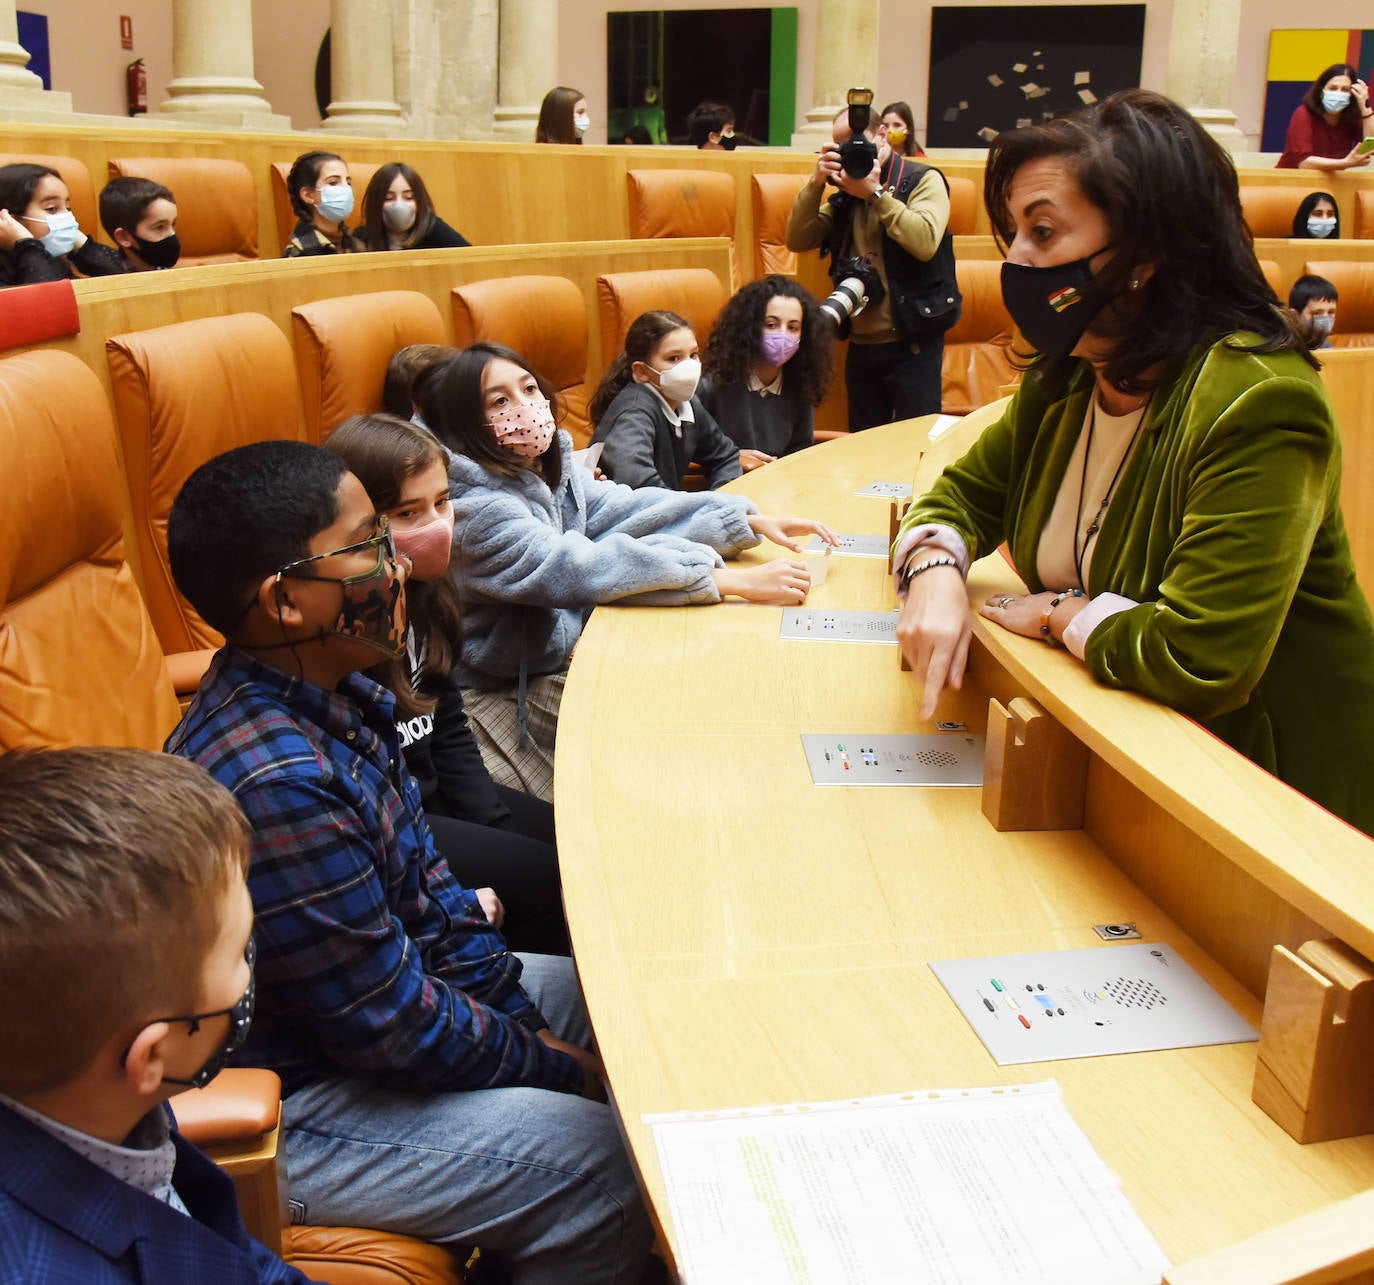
x: 371, y: 957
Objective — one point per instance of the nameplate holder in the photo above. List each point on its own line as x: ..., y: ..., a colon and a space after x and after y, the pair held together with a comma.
x: 1035, y: 774
x: 1314, y: 1074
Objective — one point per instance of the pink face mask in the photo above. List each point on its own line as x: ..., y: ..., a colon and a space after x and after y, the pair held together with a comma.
x: 778, y: 346
x: 526, y: 429
x: 428, y: 547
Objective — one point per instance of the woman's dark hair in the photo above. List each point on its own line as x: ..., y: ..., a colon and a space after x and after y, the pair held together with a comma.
x: 449, y: 396
x: 556, y: 116
x: 305, y: 172
x: 18, y: 183
x: 375, y: 231
x: 646, y: 332
x: 1312, y: 99
x: 384, y: 452
x: 1309, y: 203
x: 1132, y: 154
x: 734, y: 343
x: 911, y: 147
x: 405, y: 367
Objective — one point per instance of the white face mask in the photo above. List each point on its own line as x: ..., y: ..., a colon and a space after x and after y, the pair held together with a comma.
x: 63, y: 232
x: 582, y: 124
x: 679, y: 382
x: 1320, y: 227
x: 399, y: 216
x: 1323, y: 326
x: 336, y: 201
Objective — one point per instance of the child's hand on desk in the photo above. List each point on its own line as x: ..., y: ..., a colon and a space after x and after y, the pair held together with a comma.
x: 779, y: 583
x: 593, y: 1071
x: 780, y: 530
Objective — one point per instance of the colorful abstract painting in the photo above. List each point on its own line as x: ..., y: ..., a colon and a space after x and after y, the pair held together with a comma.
x: 1295, y: 59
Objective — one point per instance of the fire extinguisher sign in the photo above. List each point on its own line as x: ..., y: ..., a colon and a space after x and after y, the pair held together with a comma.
x: 126, y: 31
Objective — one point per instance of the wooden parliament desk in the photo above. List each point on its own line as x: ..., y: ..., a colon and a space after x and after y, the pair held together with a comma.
x: 744, y: 937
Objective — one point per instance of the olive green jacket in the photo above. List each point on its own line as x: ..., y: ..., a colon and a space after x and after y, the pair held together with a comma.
x: 1226, y: 530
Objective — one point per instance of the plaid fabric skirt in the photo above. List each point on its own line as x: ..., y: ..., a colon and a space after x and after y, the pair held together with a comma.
x: 494, y: 717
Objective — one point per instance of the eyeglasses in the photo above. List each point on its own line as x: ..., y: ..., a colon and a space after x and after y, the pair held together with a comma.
x: 240, y: 1015
x: 384, y: 542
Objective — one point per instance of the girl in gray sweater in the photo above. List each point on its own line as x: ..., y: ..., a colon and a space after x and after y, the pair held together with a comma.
x: 538, y: 542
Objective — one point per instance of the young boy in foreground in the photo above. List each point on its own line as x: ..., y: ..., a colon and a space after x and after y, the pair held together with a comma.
x: 125, y: 976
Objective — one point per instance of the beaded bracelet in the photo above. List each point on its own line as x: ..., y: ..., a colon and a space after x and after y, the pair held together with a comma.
x: 1049, y: 611
x: 911, y: 573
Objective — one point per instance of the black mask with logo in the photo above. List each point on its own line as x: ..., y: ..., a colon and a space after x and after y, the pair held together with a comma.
x: 1051, y: 307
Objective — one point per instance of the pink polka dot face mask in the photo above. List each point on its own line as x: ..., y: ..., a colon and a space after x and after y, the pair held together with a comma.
x: 526, y: 429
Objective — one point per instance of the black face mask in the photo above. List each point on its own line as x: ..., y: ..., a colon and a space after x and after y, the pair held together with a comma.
x: 729, y: 142
x: 240, y: 1017
x: 1049, y: 305
x: 159, y: 254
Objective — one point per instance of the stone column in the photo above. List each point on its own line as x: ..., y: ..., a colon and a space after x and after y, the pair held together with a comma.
x: 445, y: 66
x: 212, y: 67
x: 364, y: 77
x: 846, y: 56
x: 527, y: 65
x: 21, y: 90
x: 1203, y: 36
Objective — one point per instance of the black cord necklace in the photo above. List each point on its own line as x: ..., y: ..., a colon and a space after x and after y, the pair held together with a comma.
x: 1080, y: 551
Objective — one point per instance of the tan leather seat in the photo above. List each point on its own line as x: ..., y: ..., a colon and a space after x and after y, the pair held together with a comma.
x: 1269, y: 209
x: 78, y: 180
x: 281, y: 200
x: 217, y: 204
x: 1354, y: 284
x: 977, y: 361
x: 683, y: 203
x: 545, y: 320
x: 772, y: 196
x: 343, y: 346
x: 693, y: 293
x: 80, y: 662
x: 1363, y: 228
x: 1273, y: 274
x: 963, y: 205
x: 184, y: 394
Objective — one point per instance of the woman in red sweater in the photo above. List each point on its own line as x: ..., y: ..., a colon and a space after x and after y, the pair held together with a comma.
x: 1329, y: 124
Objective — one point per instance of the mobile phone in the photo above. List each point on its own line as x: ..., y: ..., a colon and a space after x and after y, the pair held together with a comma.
x: 1365, y: 147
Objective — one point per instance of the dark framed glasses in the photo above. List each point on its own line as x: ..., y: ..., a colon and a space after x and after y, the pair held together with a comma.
x: 240, y: 1015
x: 384, y: 542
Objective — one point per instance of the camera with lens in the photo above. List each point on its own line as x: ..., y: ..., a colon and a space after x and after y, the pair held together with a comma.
x: 858, y: 154
x: 857, y: 284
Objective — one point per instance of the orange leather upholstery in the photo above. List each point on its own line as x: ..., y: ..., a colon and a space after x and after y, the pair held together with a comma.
x: 184, y: 394
x: 693, y: 293
x: 1273, y: 274
x: 773, y: 196
x: 545, y: 320
x: 1354, y: 284
x: 681, y: 203
x: 353, y: 1256
x: 241, y: 1102
x: 963, y: 205
x: 281, y: 200
x: 977, y: 361
x: 343, y: 346
x: 1269, y: 210
x: 1364, y: 215
x: 34, y: 313
x: 217, y: 204
x: 80, y: 662
x: 78, y: 180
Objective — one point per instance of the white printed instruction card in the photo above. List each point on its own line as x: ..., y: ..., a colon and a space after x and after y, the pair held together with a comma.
x: 948, y: 1187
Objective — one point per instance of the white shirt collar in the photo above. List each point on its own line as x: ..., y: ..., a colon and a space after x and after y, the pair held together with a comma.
x: 757, y: 386
x: 677, y: 418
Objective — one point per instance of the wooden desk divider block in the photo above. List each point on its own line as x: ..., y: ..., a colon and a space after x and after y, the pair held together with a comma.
x: 1035, y: 773
x: 1314, y: 1073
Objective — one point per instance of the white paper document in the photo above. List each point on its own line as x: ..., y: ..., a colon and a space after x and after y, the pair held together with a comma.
x: 955, y: 1187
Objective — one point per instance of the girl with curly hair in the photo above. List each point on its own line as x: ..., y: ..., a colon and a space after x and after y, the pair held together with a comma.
x: 768, y: 363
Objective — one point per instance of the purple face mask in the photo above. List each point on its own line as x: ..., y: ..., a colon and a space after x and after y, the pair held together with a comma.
x: 778, y: 347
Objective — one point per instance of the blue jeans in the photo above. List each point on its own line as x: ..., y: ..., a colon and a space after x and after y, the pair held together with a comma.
x: 542, y: 1178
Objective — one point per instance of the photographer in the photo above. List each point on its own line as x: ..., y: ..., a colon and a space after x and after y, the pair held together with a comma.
x: 896, y: 219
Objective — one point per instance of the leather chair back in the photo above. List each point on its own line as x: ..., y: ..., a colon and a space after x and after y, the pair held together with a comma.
x: 80, y: 662
x: 182, y: 395
x: 693, y: 293
x: 343, y: 346
x: 1354, y: 284
x: 281, y: 200
x: 977, y: 360
x: 545, y: 320
x: 217, y: 204
x: 35, y: 313
x: 78, y: 180
x: 683, y: 203
x: 772, y: 196
x: 963, y: 205
x: 1269, y: 209
x: 1273, y: 274
x: 1363, y: 228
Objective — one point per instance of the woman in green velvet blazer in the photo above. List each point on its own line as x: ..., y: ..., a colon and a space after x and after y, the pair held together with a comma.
x: 1205, y: 562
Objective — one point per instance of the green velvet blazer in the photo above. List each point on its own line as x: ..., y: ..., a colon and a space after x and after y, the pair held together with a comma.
x: 1226, y: 530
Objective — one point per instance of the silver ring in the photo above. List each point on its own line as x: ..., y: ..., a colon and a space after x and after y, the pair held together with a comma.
x: 1003, y: 600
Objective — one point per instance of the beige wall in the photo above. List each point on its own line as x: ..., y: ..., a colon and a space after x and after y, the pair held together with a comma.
x: 286, y: 40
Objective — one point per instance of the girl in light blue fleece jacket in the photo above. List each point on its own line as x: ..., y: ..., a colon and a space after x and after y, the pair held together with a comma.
x: 538, y: 542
